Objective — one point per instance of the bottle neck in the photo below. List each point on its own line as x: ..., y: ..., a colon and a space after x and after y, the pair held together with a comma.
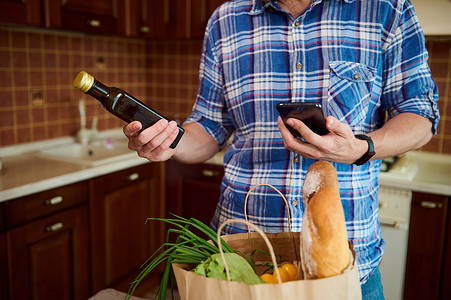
x: 98, y: 90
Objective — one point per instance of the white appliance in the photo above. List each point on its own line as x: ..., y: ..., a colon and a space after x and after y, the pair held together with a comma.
x: 394, y: 215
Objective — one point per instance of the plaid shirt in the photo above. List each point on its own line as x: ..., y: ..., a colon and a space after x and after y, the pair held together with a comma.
x: 363, y: 60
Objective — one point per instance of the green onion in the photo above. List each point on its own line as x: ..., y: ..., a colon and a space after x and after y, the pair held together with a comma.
x: 188, y: 248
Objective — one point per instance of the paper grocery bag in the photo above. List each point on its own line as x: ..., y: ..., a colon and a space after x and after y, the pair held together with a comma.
x: 191, y: 286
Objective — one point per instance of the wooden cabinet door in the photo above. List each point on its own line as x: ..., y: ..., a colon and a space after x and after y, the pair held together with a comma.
x: 49, y: 258
x: 201, y: 11
x: 140, y: 19
x: 161, y: 18
x: 23, y: 12
x: 193, y: 190
x: 121, y: 240
x: 3, y: 268
x: 425, y: 247
x: 100, y: 16
x: 446, y: 276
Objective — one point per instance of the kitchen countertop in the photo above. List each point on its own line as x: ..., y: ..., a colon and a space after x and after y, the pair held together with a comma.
x: 433, y: 175
x: 24, y: 174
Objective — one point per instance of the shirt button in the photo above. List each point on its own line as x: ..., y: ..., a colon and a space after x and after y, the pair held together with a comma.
x: 296, y: 159
x: 297, y: 23
x: 294, y: 203
x: 356, y: 76
x: 298, y: 66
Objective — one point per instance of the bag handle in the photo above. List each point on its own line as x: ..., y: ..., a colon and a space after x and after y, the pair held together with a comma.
x: 268, y: 243
x: 283, y: 197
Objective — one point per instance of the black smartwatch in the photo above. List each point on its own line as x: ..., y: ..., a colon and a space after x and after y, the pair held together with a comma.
x: 370, y: 153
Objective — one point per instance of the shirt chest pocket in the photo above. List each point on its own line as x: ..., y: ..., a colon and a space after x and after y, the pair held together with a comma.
x: 349, y: 93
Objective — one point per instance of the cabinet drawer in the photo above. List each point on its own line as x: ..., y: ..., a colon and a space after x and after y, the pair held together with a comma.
x: 37, y: 205
x: 125, y: 177
x: 203, y: 172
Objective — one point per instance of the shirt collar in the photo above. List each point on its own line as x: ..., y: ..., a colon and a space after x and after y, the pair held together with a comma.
x: 260, y: 5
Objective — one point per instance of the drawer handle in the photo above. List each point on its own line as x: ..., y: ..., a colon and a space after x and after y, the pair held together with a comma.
x: 54, y: 227
x: 395, y: 224
x: 209, y: 173
x: 54, y: 200
x: 430, y: 205
x: 133, y: 176
x: 94, y: 23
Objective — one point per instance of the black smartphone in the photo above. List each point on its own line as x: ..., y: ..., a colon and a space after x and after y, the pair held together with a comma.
x: 311, y: 113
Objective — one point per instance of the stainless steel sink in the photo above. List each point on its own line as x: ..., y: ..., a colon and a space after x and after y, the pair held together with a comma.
x: 97, y: 153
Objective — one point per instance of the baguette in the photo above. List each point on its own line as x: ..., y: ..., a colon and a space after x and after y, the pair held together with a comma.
x: 320, y: 174
x: 324, y: 240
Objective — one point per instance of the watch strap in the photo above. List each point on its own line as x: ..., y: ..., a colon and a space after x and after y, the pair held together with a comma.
x: 369, y: 153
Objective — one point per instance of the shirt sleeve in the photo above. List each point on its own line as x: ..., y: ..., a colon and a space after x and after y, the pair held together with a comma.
x: 408, y: 85
x: 210, y: 109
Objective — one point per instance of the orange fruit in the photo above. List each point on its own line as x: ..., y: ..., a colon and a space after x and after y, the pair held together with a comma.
x: 268, y: 278
x: 284, y: 276
x: 291, y: 270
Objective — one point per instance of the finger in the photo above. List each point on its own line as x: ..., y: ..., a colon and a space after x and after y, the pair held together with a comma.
x: 307, y: 134
x: 282, y: 128
x: 132, y: 129
x: 165, y: 137
x: 167, y: 142
x: 334, y: 125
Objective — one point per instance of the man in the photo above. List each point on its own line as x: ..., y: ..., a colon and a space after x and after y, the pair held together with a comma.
x: 364, y: 61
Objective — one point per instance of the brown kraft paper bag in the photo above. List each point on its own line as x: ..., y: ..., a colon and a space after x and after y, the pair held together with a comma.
x: 191, y: 286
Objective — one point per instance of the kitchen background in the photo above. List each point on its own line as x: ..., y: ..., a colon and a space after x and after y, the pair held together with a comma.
x: 37, y: 67
x: 152, y: 49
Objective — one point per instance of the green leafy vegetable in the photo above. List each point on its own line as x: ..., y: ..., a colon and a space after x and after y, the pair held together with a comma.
x: 240, y: 270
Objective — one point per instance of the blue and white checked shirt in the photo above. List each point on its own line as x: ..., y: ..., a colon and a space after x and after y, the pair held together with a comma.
x: 362, y: 59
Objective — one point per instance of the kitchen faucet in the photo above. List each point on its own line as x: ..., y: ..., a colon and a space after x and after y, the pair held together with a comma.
x: 85, y: 135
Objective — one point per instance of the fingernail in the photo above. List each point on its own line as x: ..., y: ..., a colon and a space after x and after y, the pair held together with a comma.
x: 164, y: 123
x: 290, y: 122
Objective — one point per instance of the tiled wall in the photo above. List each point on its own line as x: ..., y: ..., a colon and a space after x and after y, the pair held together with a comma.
x: 37, y: 69
x: 440, y: 64
x: 162, y: 74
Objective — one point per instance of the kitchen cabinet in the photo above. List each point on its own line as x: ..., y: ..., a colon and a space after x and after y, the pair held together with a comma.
x: 100, y: 16
x: 21, y: 12
x: 134, y: 18
x: 47, y: 237
x: 446, y: 275
x: 171, y: 18
x: 121, y: 240
x: 3, y: 268
x: 3, y: 259
x: 193, y: 190
x: 426, y: 248
x: 159, y: 19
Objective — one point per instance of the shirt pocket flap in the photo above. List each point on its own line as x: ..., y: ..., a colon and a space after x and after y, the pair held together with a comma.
x: 352, y: 71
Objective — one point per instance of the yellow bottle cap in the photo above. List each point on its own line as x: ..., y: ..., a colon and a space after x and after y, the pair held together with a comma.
x: 83, y: 81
